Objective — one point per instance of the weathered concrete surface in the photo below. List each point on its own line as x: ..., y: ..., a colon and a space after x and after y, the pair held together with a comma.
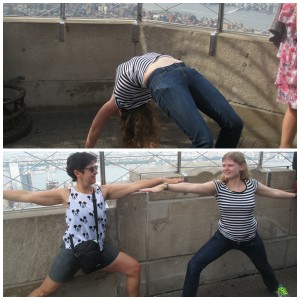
x: 81, y: 71
x: 33, y: 239
x: 244, y: 67
x: 161, y: 230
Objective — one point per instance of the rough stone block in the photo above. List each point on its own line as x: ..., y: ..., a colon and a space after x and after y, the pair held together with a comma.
x: 203, y: 174
x: 262, y: 175
x: 273, y: 217
x: 97, y: 284
x: 180, y: 227
x: 276, y: 251
x: 42, y: 235
x: 291, y: 253
x: 132, y: 222
x: 232, y: 264
x: 293, y: 225
x: 167, y: 274
x: 282, y: 179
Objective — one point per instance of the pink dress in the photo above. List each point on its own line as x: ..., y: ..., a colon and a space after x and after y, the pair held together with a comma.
x: 286, y: 79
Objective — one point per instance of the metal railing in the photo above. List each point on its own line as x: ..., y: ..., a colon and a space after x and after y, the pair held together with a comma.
x: 34, y: 170
x: 254, y: 18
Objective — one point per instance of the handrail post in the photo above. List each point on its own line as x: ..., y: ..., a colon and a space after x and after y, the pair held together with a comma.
x: 178, y: 162
x: 102, y: 168
x: 260, y: 160
x: 62, y: 23
x: 213, y: 35
x: 220, y: 17
x: 139, y: 16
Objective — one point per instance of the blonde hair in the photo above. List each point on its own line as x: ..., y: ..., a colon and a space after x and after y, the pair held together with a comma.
x: 140, y: 127
x: 239, y: 158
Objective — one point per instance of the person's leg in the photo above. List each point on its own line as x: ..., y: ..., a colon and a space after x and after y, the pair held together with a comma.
x: 289, y: 128
x: 255, y: 250
x: 131, y: 268
x: 214, y: 248
x: 62, y: 270
x: 47, y: 288
x: 211, y: 102
x: 169, y: 89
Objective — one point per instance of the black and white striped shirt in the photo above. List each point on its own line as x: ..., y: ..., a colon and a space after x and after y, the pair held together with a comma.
x: 237, y: 221
x: 129, y: 89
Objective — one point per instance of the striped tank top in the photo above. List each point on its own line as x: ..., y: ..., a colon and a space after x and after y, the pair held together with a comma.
x: 130, y: 91
x: 237, y: 221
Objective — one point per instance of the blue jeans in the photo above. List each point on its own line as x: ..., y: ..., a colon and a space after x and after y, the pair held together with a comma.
x: 219, y: 245
x: 181, y: 92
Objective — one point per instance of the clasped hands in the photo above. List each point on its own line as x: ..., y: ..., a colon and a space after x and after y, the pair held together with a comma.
x: 163, y: 186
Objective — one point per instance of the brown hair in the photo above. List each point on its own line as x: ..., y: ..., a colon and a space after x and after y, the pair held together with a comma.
x: 140, y: 127
x: 239, y: 158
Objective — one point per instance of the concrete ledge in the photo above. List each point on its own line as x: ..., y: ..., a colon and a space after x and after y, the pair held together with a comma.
x: 81, y: 70
x: 162, y: 232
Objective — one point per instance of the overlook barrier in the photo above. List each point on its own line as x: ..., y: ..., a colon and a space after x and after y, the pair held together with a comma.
x: 80, y: 71
x: 161, y: 230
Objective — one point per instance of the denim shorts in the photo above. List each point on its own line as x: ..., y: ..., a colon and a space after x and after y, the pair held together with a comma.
x: 66, y: 265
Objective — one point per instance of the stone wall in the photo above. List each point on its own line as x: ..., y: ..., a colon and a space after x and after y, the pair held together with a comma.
x: 161, y: 230
x: 81, y: 70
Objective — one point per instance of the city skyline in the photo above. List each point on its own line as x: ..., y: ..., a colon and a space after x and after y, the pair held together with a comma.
x: 192, y: 14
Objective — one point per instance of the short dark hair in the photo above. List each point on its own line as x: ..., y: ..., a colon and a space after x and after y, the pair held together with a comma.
x: 78, y: 161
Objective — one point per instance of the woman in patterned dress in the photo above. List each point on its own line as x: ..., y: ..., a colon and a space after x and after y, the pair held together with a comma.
x: 286, y: 79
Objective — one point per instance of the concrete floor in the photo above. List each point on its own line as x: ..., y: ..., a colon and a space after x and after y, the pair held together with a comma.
x: 247, y: 286
x: 68, y: 128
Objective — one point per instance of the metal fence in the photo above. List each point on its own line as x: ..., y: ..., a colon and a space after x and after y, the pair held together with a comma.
x: 45, y: 170
x: 254, y: 18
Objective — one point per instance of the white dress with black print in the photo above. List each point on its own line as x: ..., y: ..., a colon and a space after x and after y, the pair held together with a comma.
x: 80, y: 218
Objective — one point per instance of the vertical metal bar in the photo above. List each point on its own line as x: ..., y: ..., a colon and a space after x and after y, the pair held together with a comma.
x: 220, y: 17
x: 213, y: 43
x: 135, y: 34
x: 102, y: 168
x: 260, y: 160
x: 139, y: 16
x: 213, y: 35
x: 62, y: 11
x: 62, y: 23
x: 178, y: 162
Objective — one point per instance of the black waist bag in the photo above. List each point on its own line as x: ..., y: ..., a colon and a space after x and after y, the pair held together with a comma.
x: 89, y: 256
x: 88, y: 253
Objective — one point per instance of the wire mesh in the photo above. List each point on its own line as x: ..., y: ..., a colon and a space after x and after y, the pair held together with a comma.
x: 254, y: 18
x: 45, y: 170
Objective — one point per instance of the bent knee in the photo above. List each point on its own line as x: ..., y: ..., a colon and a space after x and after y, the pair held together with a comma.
x: 238, y: 123
x: 201, y: 140
x: 195, y: 268
x: 134, y: 269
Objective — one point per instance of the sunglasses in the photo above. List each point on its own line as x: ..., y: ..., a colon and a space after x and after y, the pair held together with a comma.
x: 92, y: 169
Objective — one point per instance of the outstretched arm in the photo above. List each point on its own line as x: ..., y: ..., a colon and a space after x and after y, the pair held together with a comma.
x: 207, y: 188
x: 266, y: 191
x: 105, y: 112
x: 116, y: 191
x: 47, y: 198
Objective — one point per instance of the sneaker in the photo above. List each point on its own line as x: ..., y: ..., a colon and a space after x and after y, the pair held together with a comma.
x: 281, y: 291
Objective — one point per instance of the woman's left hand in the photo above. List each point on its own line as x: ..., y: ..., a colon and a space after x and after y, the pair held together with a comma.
x: 173, y: 180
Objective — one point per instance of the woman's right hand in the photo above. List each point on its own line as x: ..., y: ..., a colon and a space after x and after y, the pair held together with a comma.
x: 155, y: 189
x: 103, y: 115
